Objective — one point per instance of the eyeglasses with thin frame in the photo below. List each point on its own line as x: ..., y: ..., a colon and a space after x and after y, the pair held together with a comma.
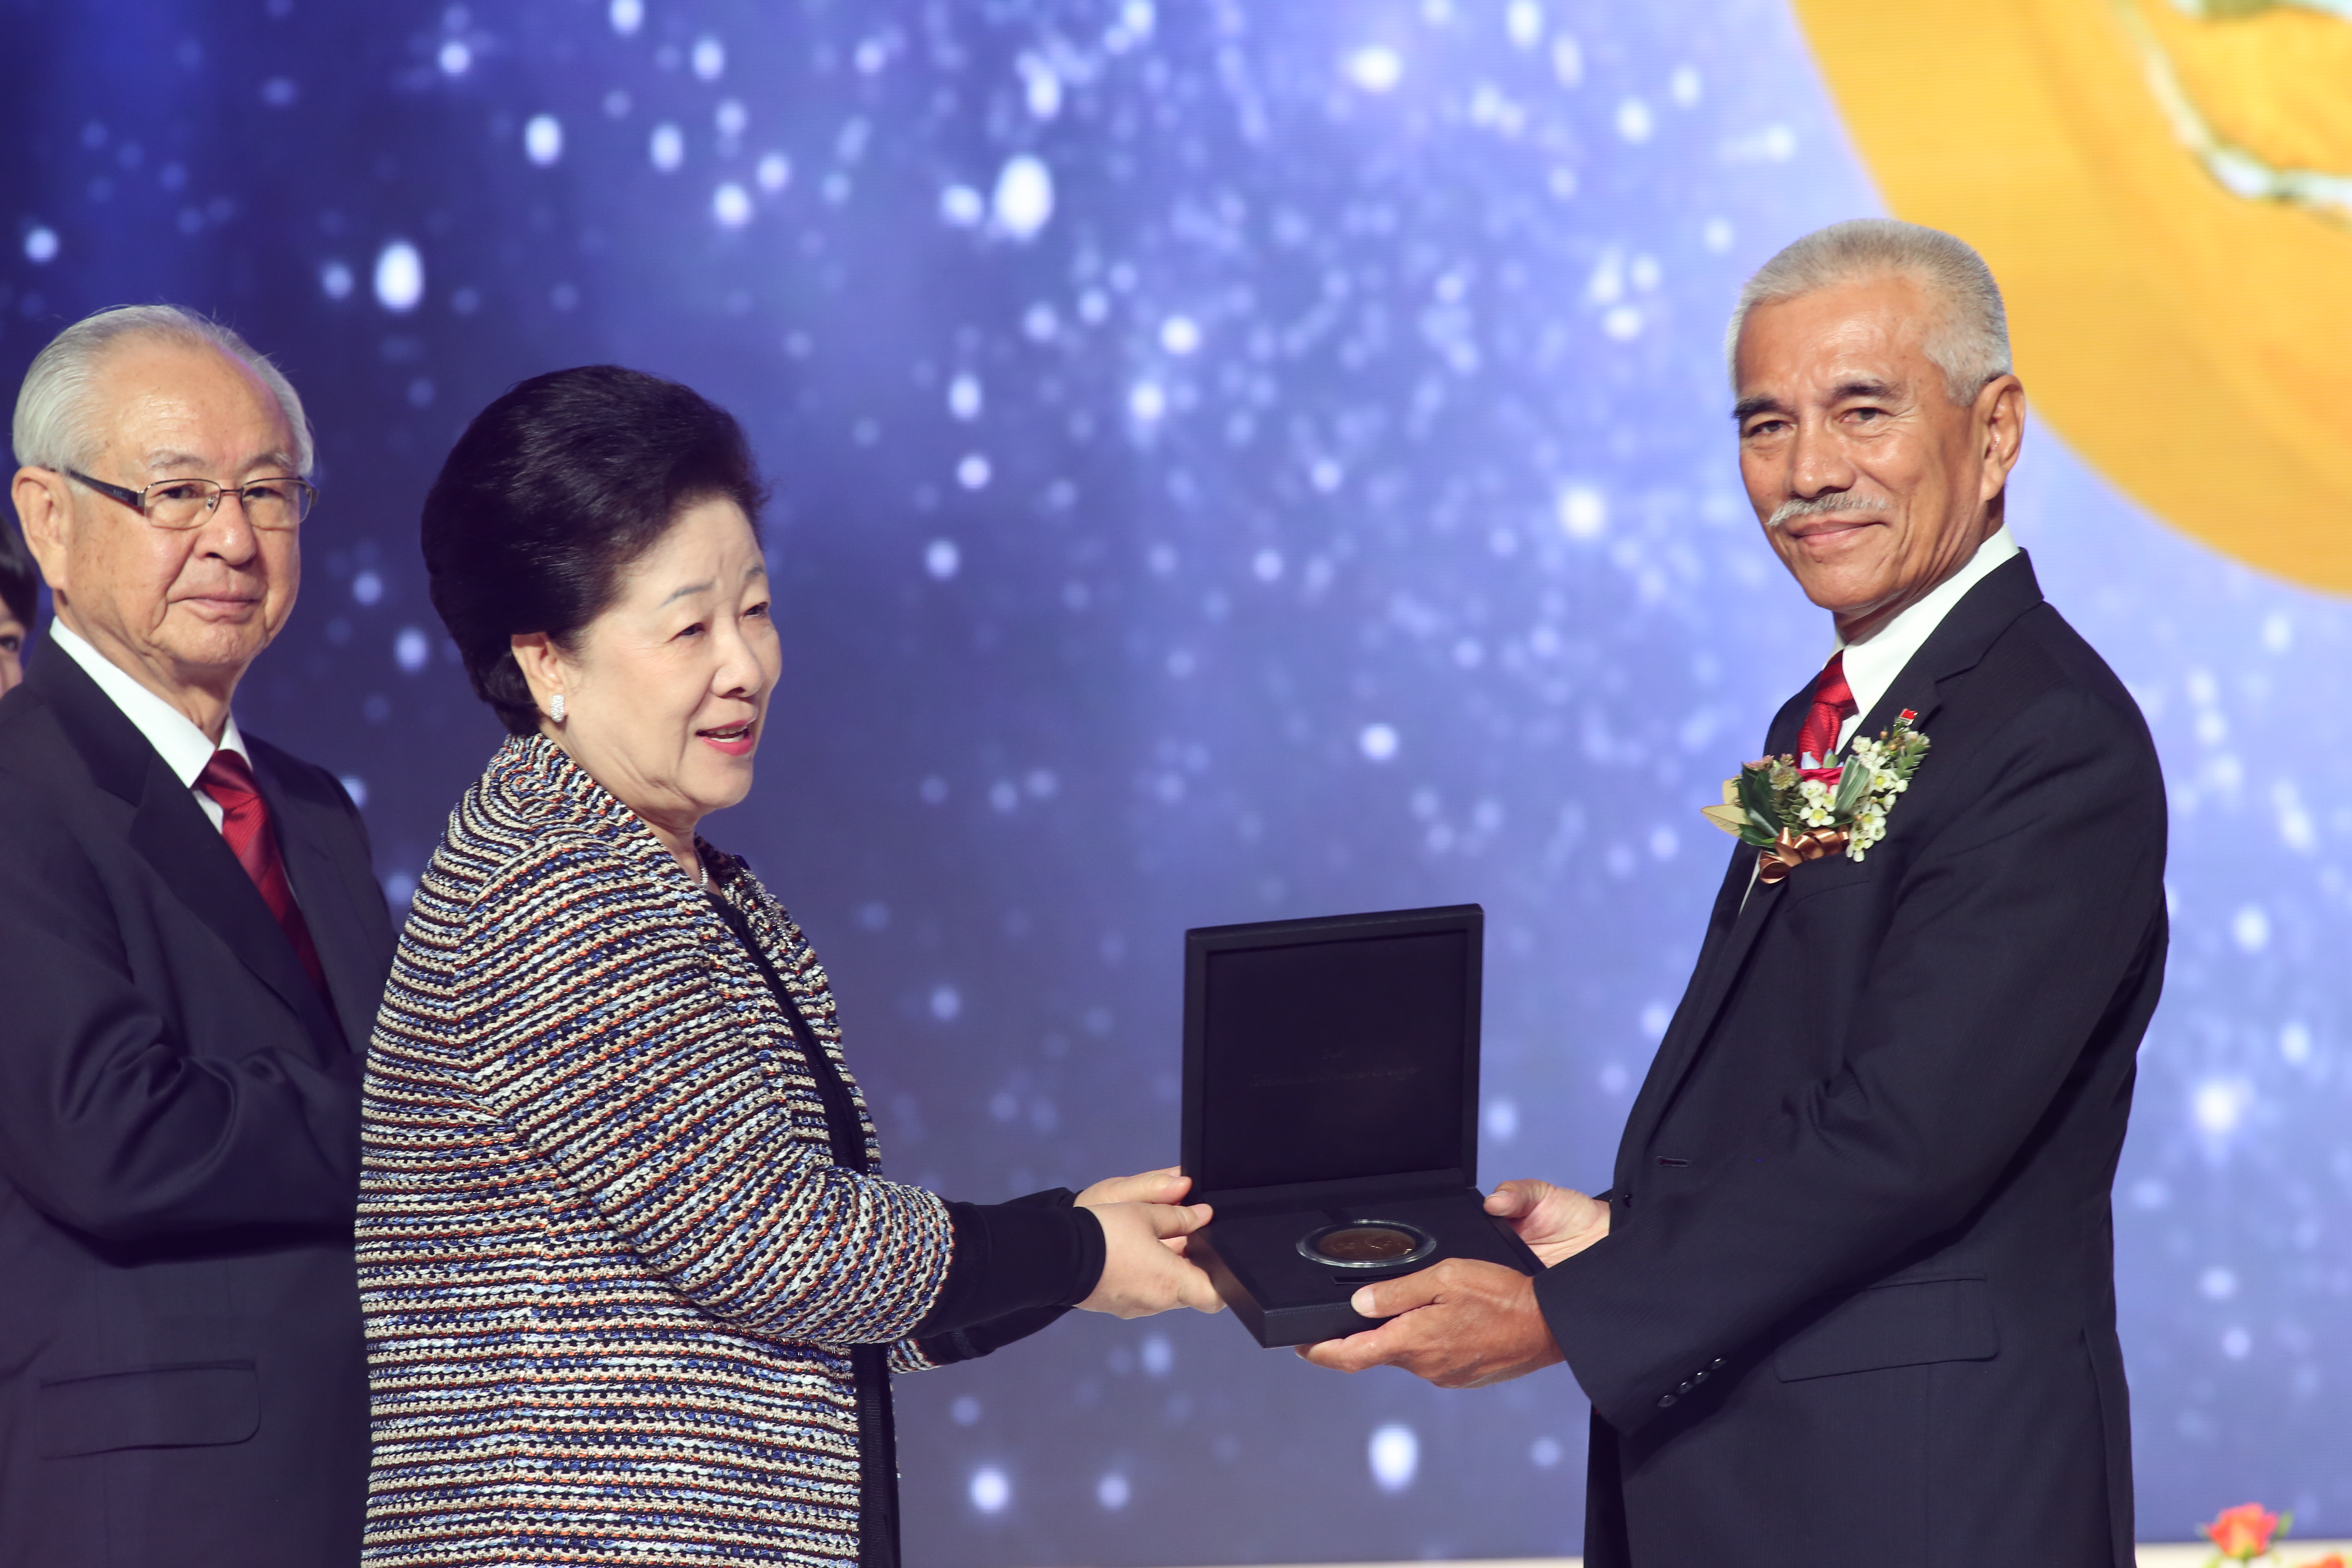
x: 275, y: 504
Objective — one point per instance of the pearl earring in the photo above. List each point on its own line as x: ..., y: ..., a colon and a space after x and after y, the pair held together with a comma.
x: 556, y: 707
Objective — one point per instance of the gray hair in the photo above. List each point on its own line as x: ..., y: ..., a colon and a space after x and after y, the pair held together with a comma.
x: 1969, y: 341
x: 54, y: 417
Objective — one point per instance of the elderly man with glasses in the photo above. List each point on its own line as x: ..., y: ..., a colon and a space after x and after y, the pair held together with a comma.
x: 192, y: 948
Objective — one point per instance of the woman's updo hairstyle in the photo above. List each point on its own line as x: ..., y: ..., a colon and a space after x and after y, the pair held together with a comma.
x: 548, y: 497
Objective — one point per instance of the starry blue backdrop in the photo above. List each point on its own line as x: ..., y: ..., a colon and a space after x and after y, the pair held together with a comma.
x: 1232, y: 460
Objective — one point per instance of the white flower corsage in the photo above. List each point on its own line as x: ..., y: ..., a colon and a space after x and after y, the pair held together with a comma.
x: 1792, y: 814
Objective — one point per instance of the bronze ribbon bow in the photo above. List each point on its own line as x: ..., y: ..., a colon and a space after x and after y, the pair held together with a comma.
x: 1791, y: 850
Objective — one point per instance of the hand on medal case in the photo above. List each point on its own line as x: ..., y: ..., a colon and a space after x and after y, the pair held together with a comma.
x: 1145, y: 1223
x: 1462, y: 1323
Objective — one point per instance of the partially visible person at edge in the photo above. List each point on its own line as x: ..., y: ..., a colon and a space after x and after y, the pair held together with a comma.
x: 1851, y: 1292
x: 192, y: 949
x: 20, y: 603
x: 635, y: 1282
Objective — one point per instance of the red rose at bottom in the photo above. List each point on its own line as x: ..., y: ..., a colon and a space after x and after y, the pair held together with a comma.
x: 2244, y: 1532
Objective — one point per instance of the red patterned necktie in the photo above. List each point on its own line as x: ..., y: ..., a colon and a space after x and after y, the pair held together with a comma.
x: 244, y: 824
x: 1833, y: 704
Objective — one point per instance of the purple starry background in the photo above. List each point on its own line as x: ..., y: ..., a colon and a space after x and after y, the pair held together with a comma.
x: 1233, y: 461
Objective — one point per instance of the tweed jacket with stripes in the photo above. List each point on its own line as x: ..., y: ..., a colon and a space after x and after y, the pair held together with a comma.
x: 611, y: 1273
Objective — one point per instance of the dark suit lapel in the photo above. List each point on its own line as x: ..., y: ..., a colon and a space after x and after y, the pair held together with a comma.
x: 1732, y: 899
x: 1958, y: 643
x: 306, y: 828
x: 1740, y: 907
x: 171, y: 832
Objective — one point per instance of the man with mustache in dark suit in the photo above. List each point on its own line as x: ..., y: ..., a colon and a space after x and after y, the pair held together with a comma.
x: 1851, y: 1294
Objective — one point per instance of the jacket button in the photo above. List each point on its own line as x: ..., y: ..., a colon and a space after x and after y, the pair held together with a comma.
x: 1666, y: 1401
x: 1716, y: 1362
x: 1699, y: 1376
x: 1685, y: 1388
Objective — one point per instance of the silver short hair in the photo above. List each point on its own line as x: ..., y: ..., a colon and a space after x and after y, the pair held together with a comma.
x: 1969, y: 341
x: 54, y: 424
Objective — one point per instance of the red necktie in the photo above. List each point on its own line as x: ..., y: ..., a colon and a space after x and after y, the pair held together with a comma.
x: 244, y: 824
x: 1833, y: 704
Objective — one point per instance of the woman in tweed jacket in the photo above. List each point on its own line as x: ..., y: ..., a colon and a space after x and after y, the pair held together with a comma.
x: 633, y: 1285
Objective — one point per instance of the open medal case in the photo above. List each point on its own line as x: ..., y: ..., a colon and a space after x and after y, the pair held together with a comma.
x: 1331, y: 1110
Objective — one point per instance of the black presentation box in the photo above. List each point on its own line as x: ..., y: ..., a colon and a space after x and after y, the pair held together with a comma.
x: 1331, y: 1079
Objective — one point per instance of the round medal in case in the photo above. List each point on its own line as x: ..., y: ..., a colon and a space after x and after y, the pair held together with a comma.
x: 1367, y: 1244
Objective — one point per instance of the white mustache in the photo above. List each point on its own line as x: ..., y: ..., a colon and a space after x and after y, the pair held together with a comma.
x: 1842, y: 501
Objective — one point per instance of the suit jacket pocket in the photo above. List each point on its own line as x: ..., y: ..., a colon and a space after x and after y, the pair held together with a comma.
x: 162, y: 1408
x: 1896, y: 1325
x: 1825, y: 875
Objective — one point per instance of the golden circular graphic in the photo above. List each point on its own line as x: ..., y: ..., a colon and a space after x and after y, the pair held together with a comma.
x: 2164, y: 188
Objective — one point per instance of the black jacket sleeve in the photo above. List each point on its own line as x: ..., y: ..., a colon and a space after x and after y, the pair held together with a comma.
x: 1017, y: 1267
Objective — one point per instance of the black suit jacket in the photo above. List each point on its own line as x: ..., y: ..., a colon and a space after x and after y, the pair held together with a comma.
x: 182, y: 1377
x: 1857, y: 1302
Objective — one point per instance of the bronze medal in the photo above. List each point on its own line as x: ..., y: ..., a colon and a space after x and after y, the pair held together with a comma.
x: 1367, y: 1244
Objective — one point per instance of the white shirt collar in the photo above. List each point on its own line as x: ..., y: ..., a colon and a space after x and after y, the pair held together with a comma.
x: 1871, y: 666
x: 175, y: 736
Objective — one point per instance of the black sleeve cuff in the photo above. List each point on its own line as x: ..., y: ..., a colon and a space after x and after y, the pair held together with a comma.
x: 1050, y: 1198
x: 985, y: 1338
x: 1035, y: 1252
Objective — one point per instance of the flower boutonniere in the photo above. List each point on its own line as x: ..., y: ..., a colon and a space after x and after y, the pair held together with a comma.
x: 1794, y: 813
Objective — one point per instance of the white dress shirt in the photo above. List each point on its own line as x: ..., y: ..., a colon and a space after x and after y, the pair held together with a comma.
x: 183, y: 748
x: 1871, y: 666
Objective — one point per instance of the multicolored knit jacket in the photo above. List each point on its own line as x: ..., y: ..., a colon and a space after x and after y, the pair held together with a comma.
x: 611, y: 1273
